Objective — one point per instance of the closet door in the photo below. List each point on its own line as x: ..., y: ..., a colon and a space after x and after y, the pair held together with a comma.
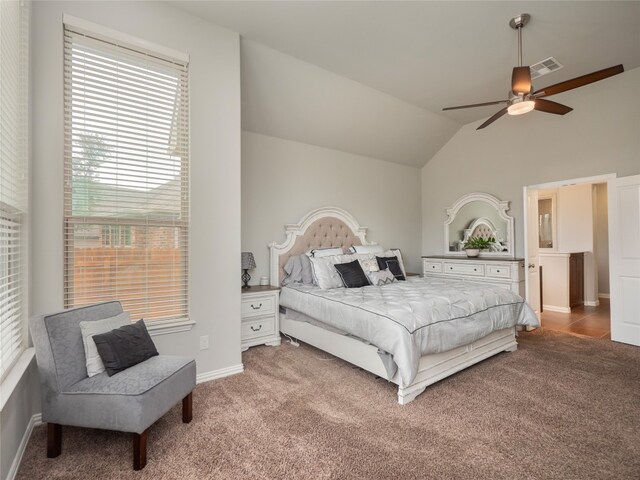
x: 624, y: 258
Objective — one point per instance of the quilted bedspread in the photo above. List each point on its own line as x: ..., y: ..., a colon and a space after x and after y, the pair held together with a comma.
x: 413, y: 318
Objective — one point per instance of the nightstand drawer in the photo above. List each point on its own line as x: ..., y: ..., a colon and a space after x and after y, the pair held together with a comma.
x: 432, y: 267
x: 253, y: 307
x: 467, y: 268
x: 258, y: 328
x: 499, y: 271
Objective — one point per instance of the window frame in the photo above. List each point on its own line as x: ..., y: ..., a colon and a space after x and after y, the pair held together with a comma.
x: 139, y: 47
x: 17, y: 210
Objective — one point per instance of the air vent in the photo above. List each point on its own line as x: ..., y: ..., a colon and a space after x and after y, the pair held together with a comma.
x: 545, y: 66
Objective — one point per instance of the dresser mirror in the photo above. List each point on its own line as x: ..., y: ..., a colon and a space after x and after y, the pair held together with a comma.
x: 479, y: 215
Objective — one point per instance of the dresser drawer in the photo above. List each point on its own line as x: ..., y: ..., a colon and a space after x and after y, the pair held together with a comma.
x: 467, y: 268
x: 256, y: 306
x: 258, y: 328
x: 435, y: 267
x: 499, y: 271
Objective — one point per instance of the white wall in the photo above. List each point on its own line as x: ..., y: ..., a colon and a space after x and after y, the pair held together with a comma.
x: 602, y: 237
x: 575, y: 219
x: 215, y: 165
x: 22, y: 404
x: 600, y: 136
x: 282, y: 180
x: 285, y: 97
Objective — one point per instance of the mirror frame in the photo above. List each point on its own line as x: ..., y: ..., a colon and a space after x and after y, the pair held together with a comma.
x: 500, y: 206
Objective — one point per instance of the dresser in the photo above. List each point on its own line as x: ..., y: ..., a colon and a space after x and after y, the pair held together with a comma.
x: 260, y: 316
x: 502, y: 272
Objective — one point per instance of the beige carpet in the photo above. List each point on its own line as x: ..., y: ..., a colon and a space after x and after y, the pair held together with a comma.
x: 560, y: 407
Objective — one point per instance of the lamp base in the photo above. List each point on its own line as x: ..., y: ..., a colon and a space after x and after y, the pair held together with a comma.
x: 245, y: 278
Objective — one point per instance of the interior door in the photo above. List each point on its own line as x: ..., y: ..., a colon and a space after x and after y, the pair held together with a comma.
x: 533, y: 271
x: 624, y: 258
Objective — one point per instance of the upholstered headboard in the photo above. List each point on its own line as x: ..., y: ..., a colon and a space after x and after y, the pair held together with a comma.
x: 321, y: 228
x: 481, y: 227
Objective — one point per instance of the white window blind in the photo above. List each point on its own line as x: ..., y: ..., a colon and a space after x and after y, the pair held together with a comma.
x: 126, y: 178
x: 14, y: 61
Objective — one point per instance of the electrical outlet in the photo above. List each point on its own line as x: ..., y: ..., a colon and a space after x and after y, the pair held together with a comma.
x: 204, y: 342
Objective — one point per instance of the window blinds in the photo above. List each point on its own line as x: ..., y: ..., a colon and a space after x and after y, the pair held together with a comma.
x: 126, y: 178
x: 14, y: 61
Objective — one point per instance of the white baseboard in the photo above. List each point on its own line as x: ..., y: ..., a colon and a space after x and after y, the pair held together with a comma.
x: 553, y: 308
x: 604, y: 295
x: 591, y: 304
x: 33, y: 422
x: 221, y: 373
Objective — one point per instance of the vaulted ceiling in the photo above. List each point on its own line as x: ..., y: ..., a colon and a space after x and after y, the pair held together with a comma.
x: 428, y: 54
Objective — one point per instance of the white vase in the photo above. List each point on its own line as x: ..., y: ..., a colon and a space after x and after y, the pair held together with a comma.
x: 472, y: 252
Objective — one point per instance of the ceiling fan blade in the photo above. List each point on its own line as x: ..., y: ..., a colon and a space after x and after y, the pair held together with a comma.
x: 521, y: 80
x: 548, y: 106
x: 493, y: 119
x: 475, y: 105
x: 579, y: 81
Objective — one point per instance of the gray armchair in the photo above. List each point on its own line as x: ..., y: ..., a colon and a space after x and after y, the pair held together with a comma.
x: 129, y: 401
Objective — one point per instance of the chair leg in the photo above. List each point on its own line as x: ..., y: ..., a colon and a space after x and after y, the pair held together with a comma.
x: 187, y: 408
x: 54, y: 440
x: 139, y: 450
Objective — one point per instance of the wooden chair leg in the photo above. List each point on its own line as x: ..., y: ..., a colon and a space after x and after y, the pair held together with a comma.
x: 187, y: 408
x: 139, y: 450
x: 54, y: 440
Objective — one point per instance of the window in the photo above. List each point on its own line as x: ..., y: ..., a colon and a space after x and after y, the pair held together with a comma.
x: 14, y: 61
x: 126, y: 177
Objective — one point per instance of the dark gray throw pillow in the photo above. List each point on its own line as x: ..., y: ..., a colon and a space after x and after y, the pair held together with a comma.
x: 392, y: 264
x: 352, y: 274
x: 125, y: 347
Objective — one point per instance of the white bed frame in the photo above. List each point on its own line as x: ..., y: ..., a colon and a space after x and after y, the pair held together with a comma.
x: 432, y: 368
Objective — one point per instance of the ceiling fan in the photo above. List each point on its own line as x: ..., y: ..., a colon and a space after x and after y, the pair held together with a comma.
x: 523, y: 99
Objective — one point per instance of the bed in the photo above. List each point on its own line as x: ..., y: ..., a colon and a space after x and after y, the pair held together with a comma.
x: 412, y: 333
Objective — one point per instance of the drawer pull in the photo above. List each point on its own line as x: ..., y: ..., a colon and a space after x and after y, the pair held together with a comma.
x: 498, y: 271
x: 475, y: 269
x: 256, y: 329
x: 450, y: 268
x: 256, y: 308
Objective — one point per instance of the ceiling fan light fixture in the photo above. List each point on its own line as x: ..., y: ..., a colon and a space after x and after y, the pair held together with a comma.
x: 521, y: 108
x: 521, y: 105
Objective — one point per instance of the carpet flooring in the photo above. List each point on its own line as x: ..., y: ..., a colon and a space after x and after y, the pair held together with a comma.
x: 560, y: 407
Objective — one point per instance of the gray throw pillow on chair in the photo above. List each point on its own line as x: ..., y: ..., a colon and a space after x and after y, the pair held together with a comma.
x: 91, y: 328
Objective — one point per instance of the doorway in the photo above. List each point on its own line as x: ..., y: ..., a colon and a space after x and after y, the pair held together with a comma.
x: 568, y: 255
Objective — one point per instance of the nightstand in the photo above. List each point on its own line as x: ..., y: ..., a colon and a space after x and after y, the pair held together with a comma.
x: 260, y: 317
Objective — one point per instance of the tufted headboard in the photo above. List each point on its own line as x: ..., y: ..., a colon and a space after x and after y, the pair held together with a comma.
x: 481, y: 227
x: 321, y: 228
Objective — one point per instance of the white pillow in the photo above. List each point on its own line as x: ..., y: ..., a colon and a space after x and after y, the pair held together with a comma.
x: 324, y: 273
x: 325, y: 252
x: 366, y: 249
x: 91, y: 328
x: 369, y: 264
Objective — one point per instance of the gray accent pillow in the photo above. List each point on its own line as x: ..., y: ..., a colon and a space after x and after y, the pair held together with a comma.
x: 298, y: 270
x: 125, y: 347
x: 91, y: 328
x: 382, y: 277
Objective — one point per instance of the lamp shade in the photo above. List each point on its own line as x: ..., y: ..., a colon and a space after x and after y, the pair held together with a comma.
x: 248, y: 261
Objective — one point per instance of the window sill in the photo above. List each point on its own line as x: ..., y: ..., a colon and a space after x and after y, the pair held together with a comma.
x: 14, y: 376
x: 163, y: 327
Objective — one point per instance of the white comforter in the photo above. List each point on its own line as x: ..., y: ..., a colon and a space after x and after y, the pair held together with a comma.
x: 413, y: 318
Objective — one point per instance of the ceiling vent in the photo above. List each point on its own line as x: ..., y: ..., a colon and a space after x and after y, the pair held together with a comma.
x: 545, y: 66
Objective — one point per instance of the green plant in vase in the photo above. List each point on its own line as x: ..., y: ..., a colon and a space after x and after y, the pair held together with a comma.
x: 474, y: 244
